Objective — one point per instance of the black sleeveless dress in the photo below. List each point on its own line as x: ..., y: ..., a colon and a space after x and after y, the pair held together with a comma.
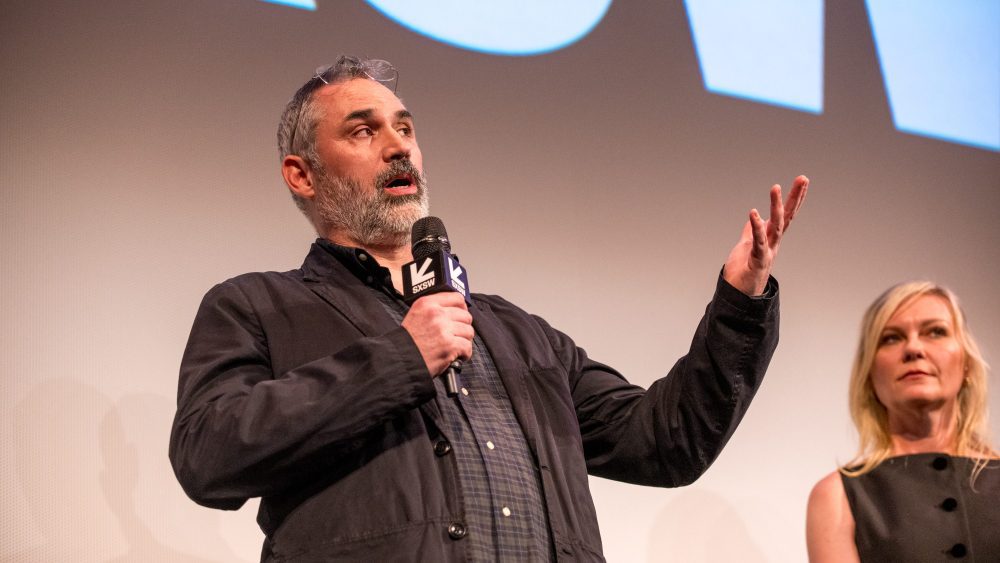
x: 922, y: 508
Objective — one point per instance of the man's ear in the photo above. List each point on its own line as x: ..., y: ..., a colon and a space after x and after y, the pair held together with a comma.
x: 298, y: 175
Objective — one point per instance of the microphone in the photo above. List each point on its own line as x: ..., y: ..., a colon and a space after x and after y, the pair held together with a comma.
x: 435, y: 268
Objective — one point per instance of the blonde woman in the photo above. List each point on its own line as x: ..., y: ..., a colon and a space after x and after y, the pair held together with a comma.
x: 925, y: 485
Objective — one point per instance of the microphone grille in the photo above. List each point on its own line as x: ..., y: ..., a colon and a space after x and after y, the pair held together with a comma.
x: 428, y: 236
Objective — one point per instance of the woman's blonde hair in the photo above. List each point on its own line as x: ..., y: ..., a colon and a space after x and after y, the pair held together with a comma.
x: 870, y: 416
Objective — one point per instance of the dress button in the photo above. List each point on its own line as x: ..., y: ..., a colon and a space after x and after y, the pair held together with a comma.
x: 940, y: 463
x: 949, y: 504
x: 958, y: 550
x: 442, y: 448
x: 456, y: 530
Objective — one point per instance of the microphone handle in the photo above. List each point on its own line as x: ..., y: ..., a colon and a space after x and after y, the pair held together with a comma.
x: 451, y: 378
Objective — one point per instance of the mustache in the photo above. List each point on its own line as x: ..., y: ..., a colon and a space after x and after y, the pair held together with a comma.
x: 397, y: 168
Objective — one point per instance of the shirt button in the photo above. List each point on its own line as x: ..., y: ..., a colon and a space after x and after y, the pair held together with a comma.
x: 442, y: 448
x: 465, y: 391
x: 506, y: 511
x: 456, y: 530
x: 958, y: 550
x: 490, y: 445
x: 362, y: 257
x: 949, y: 504
x: 940, y: 463
x: 369, y: 279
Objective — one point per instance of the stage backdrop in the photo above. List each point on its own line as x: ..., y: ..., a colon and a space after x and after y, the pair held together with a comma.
x: 594, y: 162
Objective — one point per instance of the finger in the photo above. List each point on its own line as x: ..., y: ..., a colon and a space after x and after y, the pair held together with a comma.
x: 777, y: 218
x: 461, y: 344
x: 457, y: 314
x: 463, y: 331
x: 747, y: 232
x: 448, y: 299
x: 795, y: 199
x: 759, y: 229
x: 466, y: 353
x: 462, y: 314
x: 798, y: 194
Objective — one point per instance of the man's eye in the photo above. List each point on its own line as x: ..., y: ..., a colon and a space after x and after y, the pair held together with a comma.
x: 405, y: 131
x: 363, y: 132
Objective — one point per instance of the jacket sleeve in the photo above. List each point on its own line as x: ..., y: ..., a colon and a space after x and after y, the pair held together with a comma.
x: 243, y: 431
x: 669, y: 434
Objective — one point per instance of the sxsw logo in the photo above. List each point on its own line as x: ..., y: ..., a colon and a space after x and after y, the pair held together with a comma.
x: 423, y: 277
x: 940, y: 59
x: 457, y: 276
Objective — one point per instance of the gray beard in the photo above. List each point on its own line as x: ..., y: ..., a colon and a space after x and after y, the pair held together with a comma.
x: 367, y: 214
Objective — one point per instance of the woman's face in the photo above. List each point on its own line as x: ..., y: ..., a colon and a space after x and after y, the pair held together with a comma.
x: 919, y: 362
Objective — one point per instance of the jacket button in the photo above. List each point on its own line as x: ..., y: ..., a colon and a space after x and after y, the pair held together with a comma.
x: 949, y: 504
x: 457, y: 531
x: 940, y: 463
x: 957, y: 550
x: 442, y: 447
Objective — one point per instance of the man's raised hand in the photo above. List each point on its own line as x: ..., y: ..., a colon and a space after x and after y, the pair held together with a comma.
x: 750, y: 261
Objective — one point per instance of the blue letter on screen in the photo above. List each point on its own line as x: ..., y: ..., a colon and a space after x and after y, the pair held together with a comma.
x: 941, y: 65
x: 304, y: 4
x: 511, y: 27
x: 769, y: 51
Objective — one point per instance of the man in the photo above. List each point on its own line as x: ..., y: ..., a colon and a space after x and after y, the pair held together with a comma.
x: 317, y: 389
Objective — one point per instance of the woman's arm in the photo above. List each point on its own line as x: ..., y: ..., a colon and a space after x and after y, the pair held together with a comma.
x: 829, y: 523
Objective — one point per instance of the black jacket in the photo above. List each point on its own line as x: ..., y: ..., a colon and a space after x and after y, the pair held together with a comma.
x: 298, y: 387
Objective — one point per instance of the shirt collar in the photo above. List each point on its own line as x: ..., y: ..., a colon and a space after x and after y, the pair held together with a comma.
x: 360, y: 263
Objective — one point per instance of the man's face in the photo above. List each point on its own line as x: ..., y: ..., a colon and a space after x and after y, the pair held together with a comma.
x: 369, y: 183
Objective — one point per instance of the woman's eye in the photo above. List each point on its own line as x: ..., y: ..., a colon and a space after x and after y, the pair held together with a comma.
x: 888, y: 339
x: 938, y: 331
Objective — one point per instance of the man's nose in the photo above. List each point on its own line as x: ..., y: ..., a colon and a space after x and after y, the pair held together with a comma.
x: 397, y: 147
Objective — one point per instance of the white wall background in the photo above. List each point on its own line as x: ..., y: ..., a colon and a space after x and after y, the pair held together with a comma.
x: 138, y: 168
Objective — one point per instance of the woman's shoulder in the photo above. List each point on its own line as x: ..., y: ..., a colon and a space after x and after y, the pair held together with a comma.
x: 828, y: 489
x: 829, y: 499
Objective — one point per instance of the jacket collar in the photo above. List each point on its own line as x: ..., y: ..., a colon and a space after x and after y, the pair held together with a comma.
x: 333, y: 282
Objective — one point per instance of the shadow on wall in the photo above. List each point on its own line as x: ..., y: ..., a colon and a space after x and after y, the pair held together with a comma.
x: 676, y: 536
x: 92, y: 492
